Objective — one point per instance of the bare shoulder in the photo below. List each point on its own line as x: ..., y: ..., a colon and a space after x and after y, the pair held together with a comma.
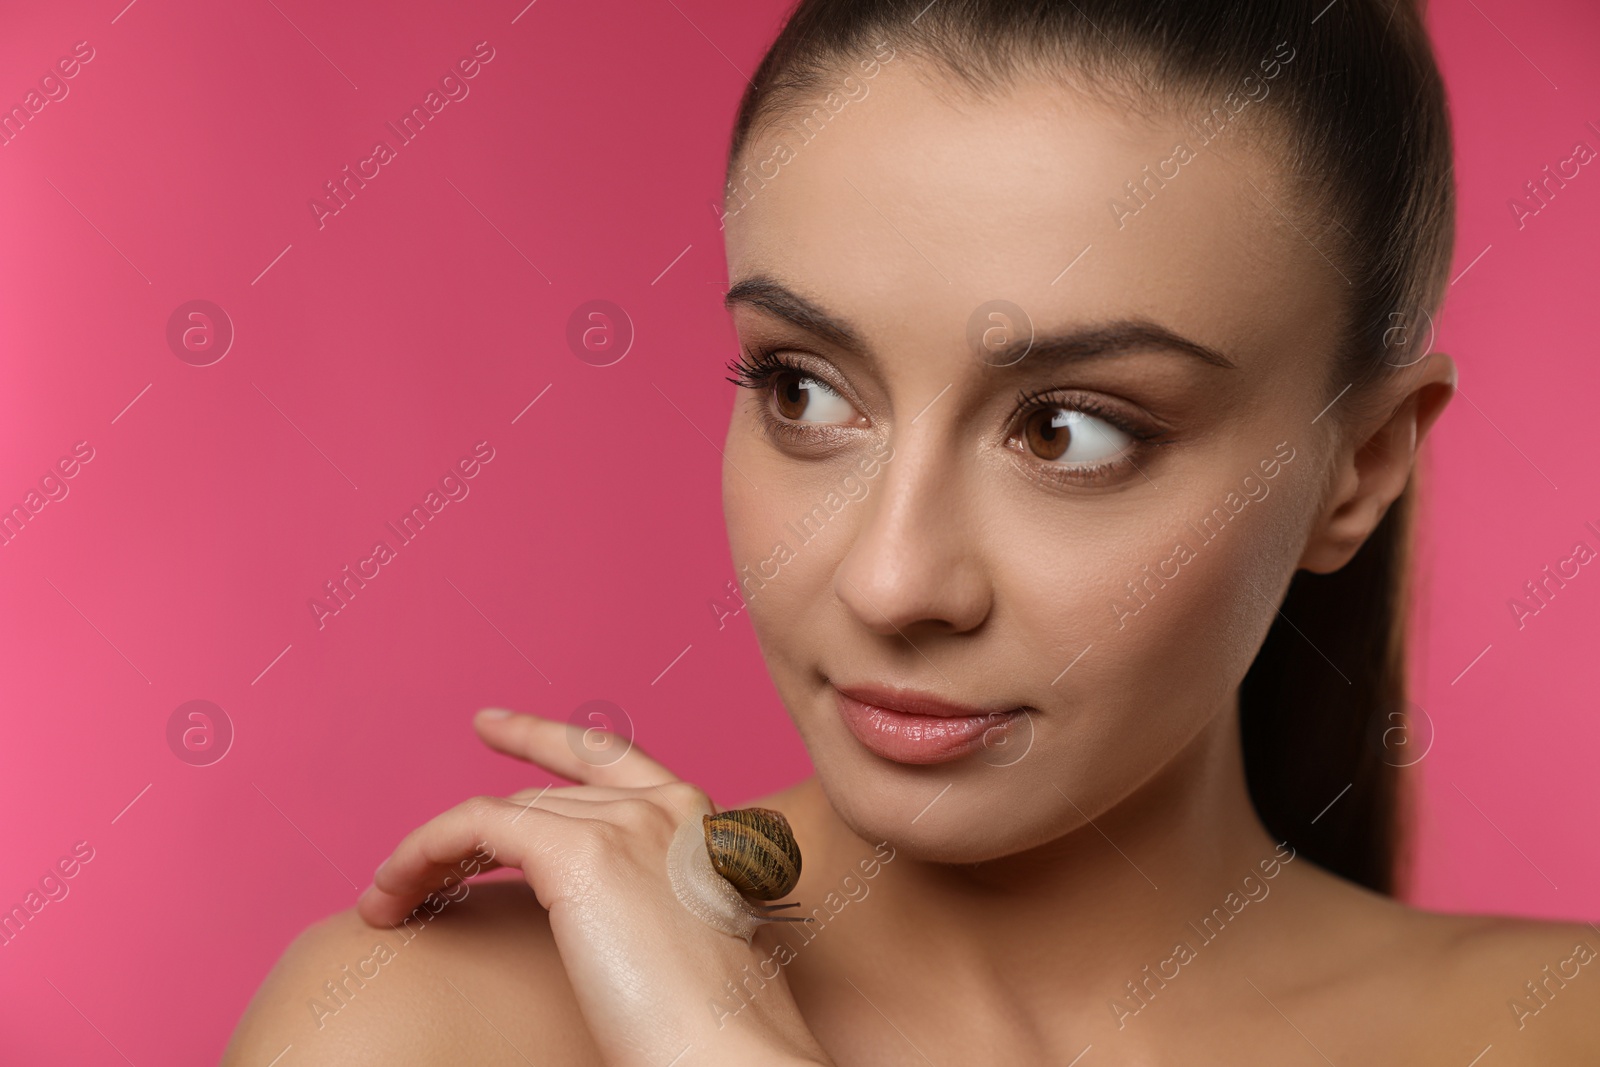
x: 1538, y: 979
x: 1433, y: 987
x: 480, y: 981
x: 1527, y: 988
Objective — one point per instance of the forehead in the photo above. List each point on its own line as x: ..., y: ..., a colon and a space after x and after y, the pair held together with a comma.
x: 904, y: 205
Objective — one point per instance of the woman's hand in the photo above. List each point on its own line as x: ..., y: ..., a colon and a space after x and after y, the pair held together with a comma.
x: 648, y: 975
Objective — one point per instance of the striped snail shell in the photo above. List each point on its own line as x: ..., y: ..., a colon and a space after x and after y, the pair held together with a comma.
x: 755, y: 850
x: 709, y: 863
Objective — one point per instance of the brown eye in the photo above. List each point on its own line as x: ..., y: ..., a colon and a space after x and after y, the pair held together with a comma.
x: 1045, y: 439
x: 800, y: 398
x: 790, y: 397
x: 1051, y: 433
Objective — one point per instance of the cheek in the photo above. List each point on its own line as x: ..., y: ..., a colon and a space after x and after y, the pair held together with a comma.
x: 749, y: 513
x: 785, y: 545
x: 1192, y: 615
x: 1159, y: 614
x: 1173, y: 615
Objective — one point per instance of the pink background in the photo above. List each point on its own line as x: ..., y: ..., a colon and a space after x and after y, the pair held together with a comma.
x: 425, y: 317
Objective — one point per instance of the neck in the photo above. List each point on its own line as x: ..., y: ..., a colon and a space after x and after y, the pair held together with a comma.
x: 1167, y: 864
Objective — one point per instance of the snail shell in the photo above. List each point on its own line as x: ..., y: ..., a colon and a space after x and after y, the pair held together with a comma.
x: 755, y: 850
x: 710, y: 895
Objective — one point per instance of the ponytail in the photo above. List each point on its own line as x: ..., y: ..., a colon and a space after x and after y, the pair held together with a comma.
x: 1324, y: 717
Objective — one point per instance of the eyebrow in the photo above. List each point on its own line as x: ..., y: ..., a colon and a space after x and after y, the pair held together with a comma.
x: 1070, y: 346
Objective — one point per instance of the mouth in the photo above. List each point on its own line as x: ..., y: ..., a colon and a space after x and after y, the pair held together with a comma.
x: 911, y: 727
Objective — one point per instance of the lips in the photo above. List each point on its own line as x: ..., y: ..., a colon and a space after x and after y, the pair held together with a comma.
x: 910, y: 727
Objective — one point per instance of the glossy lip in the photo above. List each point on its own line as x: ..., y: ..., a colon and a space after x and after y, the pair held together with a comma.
x: 907, y: 726
x: 914, y: 702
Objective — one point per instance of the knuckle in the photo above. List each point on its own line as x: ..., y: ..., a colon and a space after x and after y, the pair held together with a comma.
x: 608, y: 839
x: 481, y: 807
x: 637, y: 813
x: 686, y: 795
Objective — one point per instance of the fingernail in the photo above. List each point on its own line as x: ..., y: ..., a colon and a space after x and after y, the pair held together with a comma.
x: 493, y: 713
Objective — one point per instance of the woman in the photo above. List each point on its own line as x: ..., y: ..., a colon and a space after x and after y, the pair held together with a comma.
x: 1087, y: 355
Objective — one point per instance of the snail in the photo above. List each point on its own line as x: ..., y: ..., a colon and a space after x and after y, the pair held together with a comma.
x: 718, y: 861
x: 755, y: 850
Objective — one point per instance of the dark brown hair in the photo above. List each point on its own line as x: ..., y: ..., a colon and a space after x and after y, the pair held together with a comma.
x: 1358, y: 114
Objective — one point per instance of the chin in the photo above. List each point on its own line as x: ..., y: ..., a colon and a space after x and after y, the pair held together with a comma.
x: 976, y: 819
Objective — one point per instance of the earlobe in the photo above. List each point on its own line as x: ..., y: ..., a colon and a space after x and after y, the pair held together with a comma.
x: 1373, y: 473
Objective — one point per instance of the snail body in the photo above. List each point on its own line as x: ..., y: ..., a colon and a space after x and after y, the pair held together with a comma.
x: 719, y: 860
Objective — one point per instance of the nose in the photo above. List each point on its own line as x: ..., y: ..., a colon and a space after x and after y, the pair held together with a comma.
x: 915, y: 566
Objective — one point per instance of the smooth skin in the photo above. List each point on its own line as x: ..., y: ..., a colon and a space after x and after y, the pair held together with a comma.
x: 1022, y: 898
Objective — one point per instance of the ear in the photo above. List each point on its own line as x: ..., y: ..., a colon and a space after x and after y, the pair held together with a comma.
x: 1374, y: 470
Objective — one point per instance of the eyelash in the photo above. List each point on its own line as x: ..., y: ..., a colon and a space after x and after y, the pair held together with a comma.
x: 756, y: 369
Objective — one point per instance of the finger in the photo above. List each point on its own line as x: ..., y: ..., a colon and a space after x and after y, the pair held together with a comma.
x: 514, y: 835
x: 683, y: 799
x: 573, y: 792
x: 598, y: 804
x: 566, y: 749
x: 448, y: 880
x: 426, y: 857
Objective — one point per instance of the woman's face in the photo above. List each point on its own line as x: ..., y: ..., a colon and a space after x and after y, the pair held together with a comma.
x: 1096, y: 531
